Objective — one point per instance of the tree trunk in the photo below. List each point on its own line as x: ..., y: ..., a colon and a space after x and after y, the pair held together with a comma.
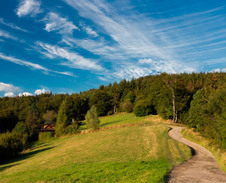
x: 114, y: 109
x: 174, y: 105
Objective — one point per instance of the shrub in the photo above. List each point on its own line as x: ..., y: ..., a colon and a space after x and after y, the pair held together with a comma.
x: 43, y: 136
x: 11, y: 144
x: 22, y: 129
x: 73, y: 129
x: 110, y: 113
x: 92, y: 118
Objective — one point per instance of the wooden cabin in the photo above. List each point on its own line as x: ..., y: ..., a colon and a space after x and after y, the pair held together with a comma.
x: 50, y: 127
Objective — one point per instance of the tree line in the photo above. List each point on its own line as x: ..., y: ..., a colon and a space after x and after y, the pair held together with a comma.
x: 197, y: 100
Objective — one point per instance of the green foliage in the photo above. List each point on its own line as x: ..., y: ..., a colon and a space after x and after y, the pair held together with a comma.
x: 73, y: 129
x: 92, y: 118
x: 44, y: 136
x: 22, y: 129
x: 126, y: 106
x: 62, y: 120
x: 207, y: 114
x: 102, y: 101
x: 11, y: 144
x: 8, y: 120
x: 143, y: 108
x: 158, y: 90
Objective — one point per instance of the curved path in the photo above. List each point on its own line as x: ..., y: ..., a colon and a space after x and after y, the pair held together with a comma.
x: 201, y: 168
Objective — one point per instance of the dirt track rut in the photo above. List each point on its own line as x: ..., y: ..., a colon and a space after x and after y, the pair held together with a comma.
x: 201, y: 168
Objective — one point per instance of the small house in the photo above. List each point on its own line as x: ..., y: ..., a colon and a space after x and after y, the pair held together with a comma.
x: 50, y: 127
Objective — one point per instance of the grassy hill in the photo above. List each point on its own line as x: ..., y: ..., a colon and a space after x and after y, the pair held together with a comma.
x: 126, y: 149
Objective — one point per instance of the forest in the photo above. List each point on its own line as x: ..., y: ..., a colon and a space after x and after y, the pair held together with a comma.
x: 197, y: 100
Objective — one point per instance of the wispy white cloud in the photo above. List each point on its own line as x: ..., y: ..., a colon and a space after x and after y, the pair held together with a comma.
x: 11, y: 25
x: 4, y: 87
x: 7, y: 35
x: 55, y: 22
x: 65, y: 73
x: 88, y: 30
x: 91, y: 32
x: 174, y: 43
x: 31, y: 65
x: 131, y: 38
x: 29, y: 7
x: 73, y: 59
x: 24, y: 63
x: 159, y: 65
x: 131, y: 71
x: 9, y: 94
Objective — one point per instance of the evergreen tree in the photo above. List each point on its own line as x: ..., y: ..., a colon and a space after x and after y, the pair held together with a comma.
x: 62, y: 120
x: 92, y: 118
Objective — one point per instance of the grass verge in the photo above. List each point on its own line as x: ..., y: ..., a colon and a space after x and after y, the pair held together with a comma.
x: 219, y: 154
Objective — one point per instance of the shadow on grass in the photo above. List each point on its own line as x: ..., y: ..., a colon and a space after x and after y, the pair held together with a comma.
x: 20, y: 158
x: 6, y: 167
x: 110, y: 123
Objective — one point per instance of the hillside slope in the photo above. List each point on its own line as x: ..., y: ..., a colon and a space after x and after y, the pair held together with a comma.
x: 126, y: 153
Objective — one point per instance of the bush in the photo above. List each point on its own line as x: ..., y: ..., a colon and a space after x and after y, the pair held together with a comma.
x: 127, y: 106
x: 110, y: 113
x: 22, y: 129
x: 11, y: 144
x: 92, y: 118
x: 73, y: 129
x: 142, y: 108
x: 43, y: 136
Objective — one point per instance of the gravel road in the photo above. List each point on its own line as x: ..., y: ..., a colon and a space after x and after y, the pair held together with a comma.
x: 201, y: 168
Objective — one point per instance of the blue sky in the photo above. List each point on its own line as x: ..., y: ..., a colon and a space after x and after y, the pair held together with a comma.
x: 68, y: 46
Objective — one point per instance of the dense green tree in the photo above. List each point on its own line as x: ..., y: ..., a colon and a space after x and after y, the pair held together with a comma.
x: 33, y: 122
x: 10, y: 145
x: 8, y: 120
x: 62, y: 120
x: 92, y: 118
x: 101, y: 100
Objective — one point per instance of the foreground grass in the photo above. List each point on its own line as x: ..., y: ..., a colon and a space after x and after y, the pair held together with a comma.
x: 129, y: 154
x: 219, y: 154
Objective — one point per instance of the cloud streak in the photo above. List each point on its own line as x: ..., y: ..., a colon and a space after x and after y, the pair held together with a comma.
x: 72, y: 59
x: 7, y: 35
x: 11, y: 25
x: 31, y: 65
x: 130, y: 36
x: 55, y: 22
x: 171, y: 43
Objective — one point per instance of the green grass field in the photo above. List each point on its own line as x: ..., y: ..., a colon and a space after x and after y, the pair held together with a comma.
x: 128, y: 153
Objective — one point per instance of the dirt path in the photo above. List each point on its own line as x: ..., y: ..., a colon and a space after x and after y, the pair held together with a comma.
x: 202, y: 167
